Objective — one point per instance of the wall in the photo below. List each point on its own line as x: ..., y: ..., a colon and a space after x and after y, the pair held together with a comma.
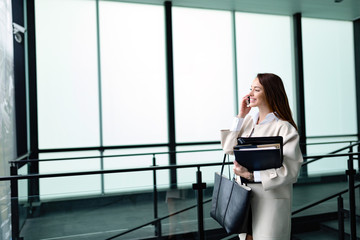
x: 7, y: 115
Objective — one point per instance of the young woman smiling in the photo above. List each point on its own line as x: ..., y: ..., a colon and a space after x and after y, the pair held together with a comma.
x: 271, y: 198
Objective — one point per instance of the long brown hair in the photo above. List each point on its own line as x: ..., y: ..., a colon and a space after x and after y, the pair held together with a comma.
x: 276, y: 96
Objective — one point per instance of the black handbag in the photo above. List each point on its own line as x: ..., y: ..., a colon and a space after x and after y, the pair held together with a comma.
x: 230, y: 203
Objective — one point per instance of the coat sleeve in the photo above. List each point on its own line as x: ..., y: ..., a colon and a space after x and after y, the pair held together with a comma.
x: 228, y: 140
x: 229, y: 136
x: 288, y: 173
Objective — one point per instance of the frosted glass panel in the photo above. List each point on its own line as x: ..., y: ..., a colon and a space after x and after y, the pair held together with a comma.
x: 67, y: 73
x: 187, y: 176
x: 334, y: 165
x: 203, y: 72
x: 329, y: 80
x: 23, y: 185
x: 264, y: 45
x: 60, y: 187
x: 133, y: 73
x: 135, y: 181
x: 329, y: 77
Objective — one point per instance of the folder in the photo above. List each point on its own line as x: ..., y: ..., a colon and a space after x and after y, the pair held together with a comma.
x: 259, y: 153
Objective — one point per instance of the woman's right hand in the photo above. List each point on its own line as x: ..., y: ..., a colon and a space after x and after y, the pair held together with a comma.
x: 243, y: 171
x: 244, y: 109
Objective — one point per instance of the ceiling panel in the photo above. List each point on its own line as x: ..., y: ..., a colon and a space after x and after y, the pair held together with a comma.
x: 327, y: 9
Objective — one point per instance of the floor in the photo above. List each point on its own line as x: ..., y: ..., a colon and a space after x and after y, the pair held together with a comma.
x: 106, y: 218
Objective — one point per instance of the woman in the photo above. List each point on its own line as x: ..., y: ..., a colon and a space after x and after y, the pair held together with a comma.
x: 272, y: 188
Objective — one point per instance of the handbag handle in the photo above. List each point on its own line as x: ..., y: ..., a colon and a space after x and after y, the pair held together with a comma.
x: 223, y: 164
x: 222, y: 169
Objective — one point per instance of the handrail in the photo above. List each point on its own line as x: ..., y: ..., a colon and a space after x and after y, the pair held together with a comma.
x: 334, y: 142
x: 323, y: 200
x: 332, y: 155
x: 150, y: 168
x: 209, y: 200
x: 158, y: 153
x: 333, y: 152
x: 103, y: 148
x: 117, y: 155
x: 318, y: 157
x: 142, y: 169
x: 332, y: 136
x: 26, y: 155
x: 154, y: 168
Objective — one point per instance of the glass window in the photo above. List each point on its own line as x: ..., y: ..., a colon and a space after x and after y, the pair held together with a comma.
x: 67, y: 76
x: 59, y: 187
x: 263, y: 44
x: 329, y: 77
x: 322, y: 146
x: 200, y: 154
x: 135, y: 181
x: 329, y: 82
x: 203, y: 73
x: 133, y: 73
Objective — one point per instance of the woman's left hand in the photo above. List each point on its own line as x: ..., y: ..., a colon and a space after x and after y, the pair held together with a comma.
x: 242, y: 171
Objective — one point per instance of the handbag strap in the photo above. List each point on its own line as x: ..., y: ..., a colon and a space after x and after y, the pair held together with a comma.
x: 223, y: 165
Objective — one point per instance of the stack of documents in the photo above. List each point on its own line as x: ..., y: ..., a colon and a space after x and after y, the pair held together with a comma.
x: 259, y: 153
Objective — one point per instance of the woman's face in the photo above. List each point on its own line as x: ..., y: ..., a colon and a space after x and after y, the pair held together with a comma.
x: 257, y: 95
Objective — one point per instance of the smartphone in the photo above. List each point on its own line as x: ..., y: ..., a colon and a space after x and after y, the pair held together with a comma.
x: 248, y: 101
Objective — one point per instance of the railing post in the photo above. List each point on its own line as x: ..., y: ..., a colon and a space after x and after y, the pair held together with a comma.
x: 358, y: 161
x: 199, y: 186
x: 341, y: 218
x: 155, y: 198
x: 15, y: 228
x: 351, y: 173
x: 358, y: 156
x: 102, y: 178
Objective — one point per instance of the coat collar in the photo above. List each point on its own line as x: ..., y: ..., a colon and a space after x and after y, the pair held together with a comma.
x: 270, y: 117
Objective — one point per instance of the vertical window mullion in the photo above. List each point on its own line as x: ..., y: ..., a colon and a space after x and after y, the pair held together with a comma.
x: 170, y: 90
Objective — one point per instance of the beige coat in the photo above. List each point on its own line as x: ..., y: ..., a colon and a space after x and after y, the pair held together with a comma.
x: 271, y: 200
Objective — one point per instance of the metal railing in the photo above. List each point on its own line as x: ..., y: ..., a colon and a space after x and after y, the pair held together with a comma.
x: 350, y: 172
x: 198, y: 186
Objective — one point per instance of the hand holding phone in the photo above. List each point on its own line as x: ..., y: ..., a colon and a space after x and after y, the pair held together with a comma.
x: 248, y: 101
x: 244, y: 107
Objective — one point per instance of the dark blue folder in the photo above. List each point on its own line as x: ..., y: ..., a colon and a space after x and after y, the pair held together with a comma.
x: 259, y: 153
